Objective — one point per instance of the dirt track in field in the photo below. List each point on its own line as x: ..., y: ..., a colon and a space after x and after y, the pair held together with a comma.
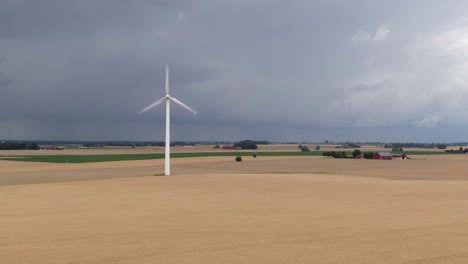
x: 214, y: 210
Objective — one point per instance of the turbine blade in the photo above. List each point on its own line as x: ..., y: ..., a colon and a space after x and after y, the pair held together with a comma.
x: 158, y: 102
x: 184, y: 105
x: 167, y: 79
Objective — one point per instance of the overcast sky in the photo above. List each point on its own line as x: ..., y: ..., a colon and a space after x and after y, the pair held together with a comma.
x: 312, y: 70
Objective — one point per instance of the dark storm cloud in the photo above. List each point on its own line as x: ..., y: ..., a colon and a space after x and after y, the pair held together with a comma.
x: 55, y: 18
x: 302, y: 70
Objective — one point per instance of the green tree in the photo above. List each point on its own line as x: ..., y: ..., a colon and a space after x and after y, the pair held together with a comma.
x: 304, y: 148
x: 441, y: 146
x: 246, y: 144
x: 356, y: 153
x: 18, y: 146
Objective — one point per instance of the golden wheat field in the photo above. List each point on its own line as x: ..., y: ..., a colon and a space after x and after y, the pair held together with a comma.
x: 214, y: 210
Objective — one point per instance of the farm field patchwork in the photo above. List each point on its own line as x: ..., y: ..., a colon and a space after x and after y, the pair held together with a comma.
x: 117, y: 157
x: 84, y: 158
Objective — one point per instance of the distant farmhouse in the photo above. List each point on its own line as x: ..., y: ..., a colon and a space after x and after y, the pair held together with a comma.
x: 388, y: 156
x: 51, y: 147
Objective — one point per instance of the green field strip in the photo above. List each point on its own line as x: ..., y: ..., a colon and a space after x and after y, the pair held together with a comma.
x: 123, y: 157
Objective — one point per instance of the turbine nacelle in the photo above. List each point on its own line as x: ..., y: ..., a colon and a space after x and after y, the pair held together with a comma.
x: 166, y: 99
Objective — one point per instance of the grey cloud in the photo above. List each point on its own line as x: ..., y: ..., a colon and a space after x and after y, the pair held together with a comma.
x: 259, y: 69
x: 380, y: 35
x: 26, y: 19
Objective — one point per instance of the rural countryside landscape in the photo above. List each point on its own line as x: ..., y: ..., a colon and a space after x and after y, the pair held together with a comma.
x: 233, y: 132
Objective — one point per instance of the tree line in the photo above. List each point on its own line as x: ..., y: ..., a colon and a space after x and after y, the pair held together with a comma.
x: 345, y: 155
x: 246, y: 144
x: 416, y: 145
x: 18, y: 146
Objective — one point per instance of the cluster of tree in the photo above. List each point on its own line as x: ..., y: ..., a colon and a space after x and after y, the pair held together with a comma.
x: 18, y: 146
x: 344, y: 155
x: 304, y: 148
x: 356, y: 153
x: 366, y: 155
x: 460, y: 150
x: 97, y: 145
x: 246, y: 144
x: 336, y: 154
x: 352, y: 145
x: 416, y: 145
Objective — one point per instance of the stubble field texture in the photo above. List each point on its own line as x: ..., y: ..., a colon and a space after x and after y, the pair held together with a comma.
x: 269, y: 209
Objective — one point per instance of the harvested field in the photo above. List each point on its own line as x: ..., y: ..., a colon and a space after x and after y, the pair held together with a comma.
x: 142, y: 150
x: 188, y: 149
x: 214, y: 210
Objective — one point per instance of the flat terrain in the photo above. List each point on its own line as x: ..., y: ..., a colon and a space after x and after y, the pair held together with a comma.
x: 108, y: 154
x: 144, y: 150
x: 214, y: 210
x: 188, y: 149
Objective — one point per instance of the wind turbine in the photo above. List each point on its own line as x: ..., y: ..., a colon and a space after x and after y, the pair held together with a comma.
x: 167, y: 99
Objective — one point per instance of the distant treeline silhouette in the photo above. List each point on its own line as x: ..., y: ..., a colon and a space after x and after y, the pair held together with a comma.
x: 136, y: 143
x: 417, y: 145
x: 250, y: 144
x: 18, y: 146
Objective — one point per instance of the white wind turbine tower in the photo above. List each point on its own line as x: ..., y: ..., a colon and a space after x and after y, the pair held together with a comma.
x: 167, y: 99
